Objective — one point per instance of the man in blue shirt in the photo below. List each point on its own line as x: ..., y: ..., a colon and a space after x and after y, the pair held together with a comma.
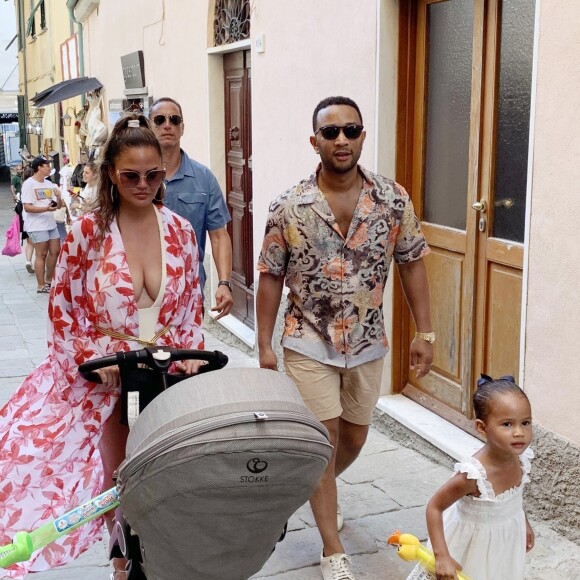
x: 194, y: 193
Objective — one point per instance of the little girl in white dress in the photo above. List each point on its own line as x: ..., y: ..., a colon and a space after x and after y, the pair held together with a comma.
x: 476, y: 520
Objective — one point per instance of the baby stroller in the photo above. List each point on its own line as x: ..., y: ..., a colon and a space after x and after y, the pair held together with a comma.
x: 215, y: 465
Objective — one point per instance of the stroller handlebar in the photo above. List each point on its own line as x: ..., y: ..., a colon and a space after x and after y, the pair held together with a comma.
x: 157, y: 358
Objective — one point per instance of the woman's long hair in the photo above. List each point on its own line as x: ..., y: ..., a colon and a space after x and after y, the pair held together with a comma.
x: 122, y: 137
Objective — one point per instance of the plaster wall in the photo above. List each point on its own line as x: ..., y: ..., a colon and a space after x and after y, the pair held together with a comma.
x: 309, y: 55
x: 41, y: 70
x: 43, y: 66
x: 174, y: 39
x: 553, y: 276
x: 59, y: 29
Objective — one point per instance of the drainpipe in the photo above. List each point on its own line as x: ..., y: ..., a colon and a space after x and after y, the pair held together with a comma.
x: 22, y: 36
x: 70, y: 4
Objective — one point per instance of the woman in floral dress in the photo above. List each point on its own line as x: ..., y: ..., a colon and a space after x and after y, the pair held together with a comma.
x: 127, y: 276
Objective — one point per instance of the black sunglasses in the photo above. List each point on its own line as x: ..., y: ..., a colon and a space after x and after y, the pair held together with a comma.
x: 173, y: 119
x: 132, y: 179
x: 331, y: 132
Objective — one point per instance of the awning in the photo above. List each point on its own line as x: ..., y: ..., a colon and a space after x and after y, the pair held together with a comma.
x: 65, y: 90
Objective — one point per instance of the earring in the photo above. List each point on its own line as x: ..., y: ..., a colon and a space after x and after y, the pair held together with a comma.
x: 317, y: 150
x: 113, y: 193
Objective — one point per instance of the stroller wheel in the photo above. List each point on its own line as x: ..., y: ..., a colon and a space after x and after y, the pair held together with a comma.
x: 119, y: 550
x: 124, y: 543
x: 135, y: 571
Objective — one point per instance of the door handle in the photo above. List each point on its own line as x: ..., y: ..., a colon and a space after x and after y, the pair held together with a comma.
x: 479, y: 205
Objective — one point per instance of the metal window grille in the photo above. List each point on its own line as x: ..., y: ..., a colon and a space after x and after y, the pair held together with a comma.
x: 231, y: 21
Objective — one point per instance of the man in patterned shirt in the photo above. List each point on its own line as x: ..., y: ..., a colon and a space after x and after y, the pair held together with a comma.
x: 331, y: 238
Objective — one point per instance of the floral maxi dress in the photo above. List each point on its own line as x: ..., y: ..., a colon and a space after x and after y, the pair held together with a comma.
x: 51, y: 427
x: 486, y: 534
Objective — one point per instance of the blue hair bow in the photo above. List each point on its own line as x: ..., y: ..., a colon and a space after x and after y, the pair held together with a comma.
x: 487, y: 379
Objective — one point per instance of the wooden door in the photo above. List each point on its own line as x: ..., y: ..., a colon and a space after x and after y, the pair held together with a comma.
x: 464, y: 147
x: 238, y: 124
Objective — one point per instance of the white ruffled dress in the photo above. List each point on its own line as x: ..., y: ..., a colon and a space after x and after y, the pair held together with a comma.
x: 486, y: 534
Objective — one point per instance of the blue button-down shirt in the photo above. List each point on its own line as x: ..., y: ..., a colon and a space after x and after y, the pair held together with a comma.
x: 194, y: 193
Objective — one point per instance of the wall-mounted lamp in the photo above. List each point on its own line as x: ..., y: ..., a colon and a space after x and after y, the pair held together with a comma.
x: 30, y: 126
x: 66, y: 118
x: 34, y: 124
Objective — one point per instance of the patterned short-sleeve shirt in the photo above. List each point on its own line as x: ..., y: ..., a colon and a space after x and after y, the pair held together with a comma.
x: 336, y: 284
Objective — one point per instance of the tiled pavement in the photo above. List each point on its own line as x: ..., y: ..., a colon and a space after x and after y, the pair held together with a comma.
x: 385, y: 489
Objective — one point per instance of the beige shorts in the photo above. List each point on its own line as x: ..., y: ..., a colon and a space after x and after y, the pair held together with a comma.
x: 331, y: 392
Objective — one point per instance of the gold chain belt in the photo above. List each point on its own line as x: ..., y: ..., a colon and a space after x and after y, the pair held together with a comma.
x: 119, y: 335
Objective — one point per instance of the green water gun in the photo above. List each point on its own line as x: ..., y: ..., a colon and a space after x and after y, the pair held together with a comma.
x: 409, y: 548
x: 24, y: 544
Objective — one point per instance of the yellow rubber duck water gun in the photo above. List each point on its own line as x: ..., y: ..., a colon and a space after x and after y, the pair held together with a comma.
x: 409, y: 548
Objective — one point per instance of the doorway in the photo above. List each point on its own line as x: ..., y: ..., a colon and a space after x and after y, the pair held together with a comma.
x: 238, y: 133
x: 462, y: 143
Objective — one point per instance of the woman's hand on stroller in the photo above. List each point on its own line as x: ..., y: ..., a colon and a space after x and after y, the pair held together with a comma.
x: 157, y: 358
x: 110, y: 376
x: 189, y: 367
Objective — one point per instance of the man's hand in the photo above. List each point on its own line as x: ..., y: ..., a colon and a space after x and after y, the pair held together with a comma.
x: 268, y: 359
x: 221, y: 248
x: 223, y: 301
x: 421, y: 357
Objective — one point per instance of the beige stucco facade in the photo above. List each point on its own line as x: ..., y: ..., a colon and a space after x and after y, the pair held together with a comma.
x: 40, y: 67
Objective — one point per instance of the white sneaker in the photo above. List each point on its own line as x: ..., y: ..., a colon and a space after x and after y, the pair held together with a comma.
x: 336, y: 567
x: 339, y: 517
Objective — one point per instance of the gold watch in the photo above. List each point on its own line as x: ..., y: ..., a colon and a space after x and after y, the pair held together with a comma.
x: 426, y: 336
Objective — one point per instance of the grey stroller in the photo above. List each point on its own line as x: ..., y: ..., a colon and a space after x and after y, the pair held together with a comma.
x: 215, y: 466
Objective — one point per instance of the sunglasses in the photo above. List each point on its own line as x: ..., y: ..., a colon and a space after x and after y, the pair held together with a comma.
x: 132, y: 179
x: 173, y: 119
x: 331, y: 132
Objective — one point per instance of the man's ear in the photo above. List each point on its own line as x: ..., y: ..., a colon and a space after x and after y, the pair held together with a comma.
x: 314, y: 143
x: 480, y: 427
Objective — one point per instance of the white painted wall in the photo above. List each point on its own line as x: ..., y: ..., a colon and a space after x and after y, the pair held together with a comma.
x: 552, y: 322
x: 174, y: 38
x: 312, y: 50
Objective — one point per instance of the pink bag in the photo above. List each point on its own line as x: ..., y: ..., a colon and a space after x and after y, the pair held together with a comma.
x: 12, y: 245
